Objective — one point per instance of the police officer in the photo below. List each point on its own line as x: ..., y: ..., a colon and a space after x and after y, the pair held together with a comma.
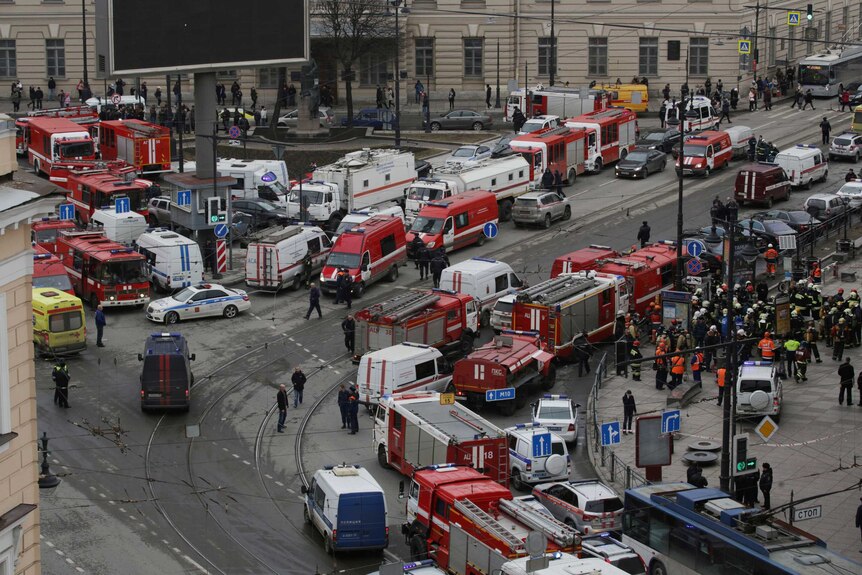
x: 343, y: 405
x: 635, y: 355
x: 60, y: 375
x: 437, y: 267
x: 752, y: 145
x: 416, y: 245
x: 306, y: 269
x: 424, y: 259
x: 347, y: 289
x: 348, y: 326
x: 339, y: 285
x: 629, y: 410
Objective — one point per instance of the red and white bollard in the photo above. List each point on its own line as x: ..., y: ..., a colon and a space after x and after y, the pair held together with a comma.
x: 221, y: 256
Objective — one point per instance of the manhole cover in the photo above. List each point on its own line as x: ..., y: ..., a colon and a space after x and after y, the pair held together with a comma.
x: 704, y: 445
x: 700, y: 457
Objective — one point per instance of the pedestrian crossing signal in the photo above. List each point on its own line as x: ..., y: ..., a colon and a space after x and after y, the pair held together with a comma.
x: 744, y: 46
x: 810, y: 13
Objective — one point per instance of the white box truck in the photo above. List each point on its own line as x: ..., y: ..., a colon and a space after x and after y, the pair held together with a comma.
x: 124, y: 227
x: 363, y: 179
x: 173, y: 260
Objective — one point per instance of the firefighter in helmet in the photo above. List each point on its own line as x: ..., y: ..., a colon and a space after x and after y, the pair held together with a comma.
x: 636, y: 355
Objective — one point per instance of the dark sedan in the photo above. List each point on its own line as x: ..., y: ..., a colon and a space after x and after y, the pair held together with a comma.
x: 797, y: 219
x: 641, y: 163
x: 662, y: 139
x: 263, y: 213
x: 461, y: 120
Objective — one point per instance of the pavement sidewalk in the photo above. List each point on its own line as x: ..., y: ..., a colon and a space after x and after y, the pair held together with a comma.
x: 817, y: 448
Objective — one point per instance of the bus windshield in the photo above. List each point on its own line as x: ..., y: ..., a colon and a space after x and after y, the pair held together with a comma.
x: 815, y: 75
x: 121, y: 272
x: 78, y: 149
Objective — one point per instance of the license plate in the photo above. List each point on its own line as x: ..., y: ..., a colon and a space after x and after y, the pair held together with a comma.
x: 154, y: 394
x: 555, y: 428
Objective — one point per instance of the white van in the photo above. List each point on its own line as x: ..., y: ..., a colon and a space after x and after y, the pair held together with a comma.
x: 173, y: 260
x: 803, y: 163
x: 277, y: 260
x: 739, y: 136
x: 561, y: 564
x: 699, y: 115
x: 123, y: 227
x: 266, y: 179
x: 356, y: 217
x: 501, y: 315
x: 483, y: 278
x: 401, y: 368
x: 347, y: 505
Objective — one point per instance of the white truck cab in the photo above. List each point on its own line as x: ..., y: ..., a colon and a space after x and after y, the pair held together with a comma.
x: 487, y: 280
x: 401, y: 368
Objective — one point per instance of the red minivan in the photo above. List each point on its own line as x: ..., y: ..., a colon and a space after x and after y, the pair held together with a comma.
x: 457, y: 221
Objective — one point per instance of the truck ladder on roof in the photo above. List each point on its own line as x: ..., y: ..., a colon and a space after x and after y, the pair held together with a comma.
x: 550, y: 285
x: 557, y: 531
x: 489, y: 524
x: 404, y: 304
x: 621, y: 262
x: 565, y: 291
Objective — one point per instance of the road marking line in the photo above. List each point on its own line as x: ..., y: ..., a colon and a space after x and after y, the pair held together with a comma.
x: 301, y: 498
x: 279, y: 483
x: 121, y: 509
x: 606, y: 183
x: 175, y: 550
x: 197, y: 565
x: 268, y: 476
x: 299, y: 344
x: 165, y: 541
x: 57, y: 461
x: 79, y: 570
x: 69, y: 561
x: 306, y: 350
x: 58, y: 552
x: 336, y: 371
x: 291, y: 338
x: 103, y: 496
x: 49, y: 544
x: 153, y: 533
x: 132, y: 517
x: 291, y: 490
x: 112, y: 502
x: 225, y: 449
x: 246, y: 462
x: 235, y: 455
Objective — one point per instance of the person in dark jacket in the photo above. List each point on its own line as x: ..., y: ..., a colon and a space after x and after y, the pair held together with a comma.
x: 298, y: 379
x: 850, y: 176
x: 100, y: 325
x: 825, y: 128
x: 643, y: 234
x: 348, y: 326
x: 846, y: 375
x: 353, y: 413
x: 437, y: 267
x: 629, y: 411
x: 558, y: 182
x: 313, y: 301
x: 766, y: 484
x: 518, y: 119
x: 424, y: 259
x: 60, y: 375
x: 416, y: 245
x: 343, y: 405
x: 548, y: 179
x: 859, y: 516
x: 694, y: 475
x: 282, y: 401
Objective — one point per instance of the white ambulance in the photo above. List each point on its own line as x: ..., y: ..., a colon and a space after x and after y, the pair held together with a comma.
x: 485, y: 279
x: 276, y: 261
x: 173, y: 260
x: 803, y: 163
x: 401, y: 368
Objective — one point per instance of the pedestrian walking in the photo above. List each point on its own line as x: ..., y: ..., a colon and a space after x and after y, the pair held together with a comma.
x: 802, y: 359
x: 766, y: 484
x: 347, y: 289
x: 488, y: 96
x: 282, y: 401
x: 16, y: 100
x: 720, y: 375
x: 353, y: 413
x: 662, y: 112
x: 809, y: 100
x: 379, y: 96
x: 100, y: 325
x: 451, y: 98
x: 845, y: 375
x: 60, y: 376
x: 767, y: 99
x: 39, y: 96
x: 418, y: 88
x: 263, y: 116
x: 725, y: 111
x: 558, y: 182
x: 343, y: 405
x: 348, y: 326
x: 437, y: 267
x: 548, y: 179
x: 825, y: 128
x: 859, y: 518
x: 518, y: 119
x: 643, y: 234
x: 629, y: 411
x: 844, y: 98
x: 752, y: 100
x: 313, y: 301
x: 298, y: 379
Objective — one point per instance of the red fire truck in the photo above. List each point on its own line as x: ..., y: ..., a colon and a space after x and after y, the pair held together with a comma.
x: 49, y: 271
x: 571, y: 308
x: 556, y: 100
x: 96, y: 189
x: 103, y: 271
x: 561, y: 148
x: 512, y: 359
x: 615, y: 133
x: 145, y: 146
x: 44, y: 232
x: 412, y: 430
x: 56, y: 140
x: 647, y: 271
x: 472, y: 525
x: 83, y: 115
x: 439, y: 318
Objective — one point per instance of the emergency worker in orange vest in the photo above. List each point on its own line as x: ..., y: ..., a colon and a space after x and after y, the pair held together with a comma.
x: 677, y: 369
x: 816, y: 273
x: 771, y: 256
x: 696, y: 365
x: 720, y: 374
x: 766, y: 347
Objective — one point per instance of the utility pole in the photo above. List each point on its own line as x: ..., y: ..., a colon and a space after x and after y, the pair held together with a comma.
x: 84, y: 43
x: 497, y: 98
x: 553, y: 62
x: 397, y: 4
x: 756, y: 34
x: 730, y: 355
x: 679, y: 216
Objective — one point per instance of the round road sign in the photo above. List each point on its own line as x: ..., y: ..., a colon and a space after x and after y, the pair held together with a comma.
x: 234, y: 132
x: 694, y: 267
x: 116, y: 98
x: 490, y: 230
x: 695, y: 248
x: 220, y: 230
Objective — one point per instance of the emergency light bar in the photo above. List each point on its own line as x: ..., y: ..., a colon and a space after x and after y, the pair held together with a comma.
x: 41, y: 256
x: 761, y: 363
x: 555, y: 396
x: 528, y: 425
x: 489, y: 260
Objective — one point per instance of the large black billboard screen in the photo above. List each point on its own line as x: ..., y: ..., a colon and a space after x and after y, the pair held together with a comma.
x: 197, y: 35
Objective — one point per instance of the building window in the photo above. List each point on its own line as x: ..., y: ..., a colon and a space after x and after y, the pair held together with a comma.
x: 598, y: 57
x: 791, y: 42
x: 226, y: 75
x: 8, y: 66
x: 698, y: 56
x: 546, y: 57
x: 268, y: 77
x: 424, y: 57
x: 55, y: 52
x: 374, y: 70
x: 473, y: 56
x: 845, y: 19
x: 648, y: 57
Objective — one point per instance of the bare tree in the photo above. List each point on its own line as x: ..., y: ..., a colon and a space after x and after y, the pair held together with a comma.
x: 353, y: 29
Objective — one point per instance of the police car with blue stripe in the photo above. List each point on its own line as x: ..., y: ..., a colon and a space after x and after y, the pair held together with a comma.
x: 202, y: 300
x: 526, y: 469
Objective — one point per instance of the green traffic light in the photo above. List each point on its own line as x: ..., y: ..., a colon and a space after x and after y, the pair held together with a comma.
x: 740, y: 466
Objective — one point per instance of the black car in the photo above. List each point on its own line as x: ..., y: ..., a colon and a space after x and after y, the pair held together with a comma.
x: 799, y: 220
x: 640, y: 163
x: 263, y: 213
x: 660, y: 139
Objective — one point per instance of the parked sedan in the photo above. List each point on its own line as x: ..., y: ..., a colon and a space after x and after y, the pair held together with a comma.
x: 662, y: 139
x: 291, y: 119
x: 768, y: 230
x: 797, y: 219
x: 470, y: 153
x: 461, y: 120
x: 540, y: 207
x: 852, y: 192
x: 640, y: 163
x: 263, y: 213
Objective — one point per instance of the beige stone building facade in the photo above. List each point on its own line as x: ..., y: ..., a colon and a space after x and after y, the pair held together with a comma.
x: 19, y: 492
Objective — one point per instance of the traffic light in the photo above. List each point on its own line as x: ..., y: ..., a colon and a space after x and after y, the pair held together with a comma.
x: 810, y: 13
x: 215, y: 215
x: 742, y: 464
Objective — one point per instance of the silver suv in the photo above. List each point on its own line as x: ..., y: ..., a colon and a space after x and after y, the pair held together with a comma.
x: 847, y: 145
x: 540, y: 207
x: 159, y: 211
x: 758, y: 391
x: 824, y: 206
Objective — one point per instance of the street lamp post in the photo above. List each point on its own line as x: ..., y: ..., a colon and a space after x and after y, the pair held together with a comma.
x: 84, y: 43
x: 553, y: 70
x: 397, y: 5
x: 497, y: 98
x: 679, y: 215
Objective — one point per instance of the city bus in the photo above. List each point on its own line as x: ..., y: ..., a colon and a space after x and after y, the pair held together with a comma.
x: 679, y: 529
x: 823, y: 72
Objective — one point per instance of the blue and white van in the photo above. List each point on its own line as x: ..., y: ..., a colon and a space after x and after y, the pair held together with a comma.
x: 173, y: 260
x: 346, y: 504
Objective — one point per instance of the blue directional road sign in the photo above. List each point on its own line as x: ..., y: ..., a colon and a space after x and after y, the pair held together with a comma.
x: 611, y: 433
x: 220, y: 230
x: 122, y: 205
x: 541, y: 444
x: 695, y: 248
x: 670, y: 421
x: 67, y: 211
x: 500, y: 394
x: 490, y: 230
x: 184, y: 198
x: 234, y: 132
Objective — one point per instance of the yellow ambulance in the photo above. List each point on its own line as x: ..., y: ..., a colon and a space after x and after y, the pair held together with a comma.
x: 58, y: 322
x: 635, y: 97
